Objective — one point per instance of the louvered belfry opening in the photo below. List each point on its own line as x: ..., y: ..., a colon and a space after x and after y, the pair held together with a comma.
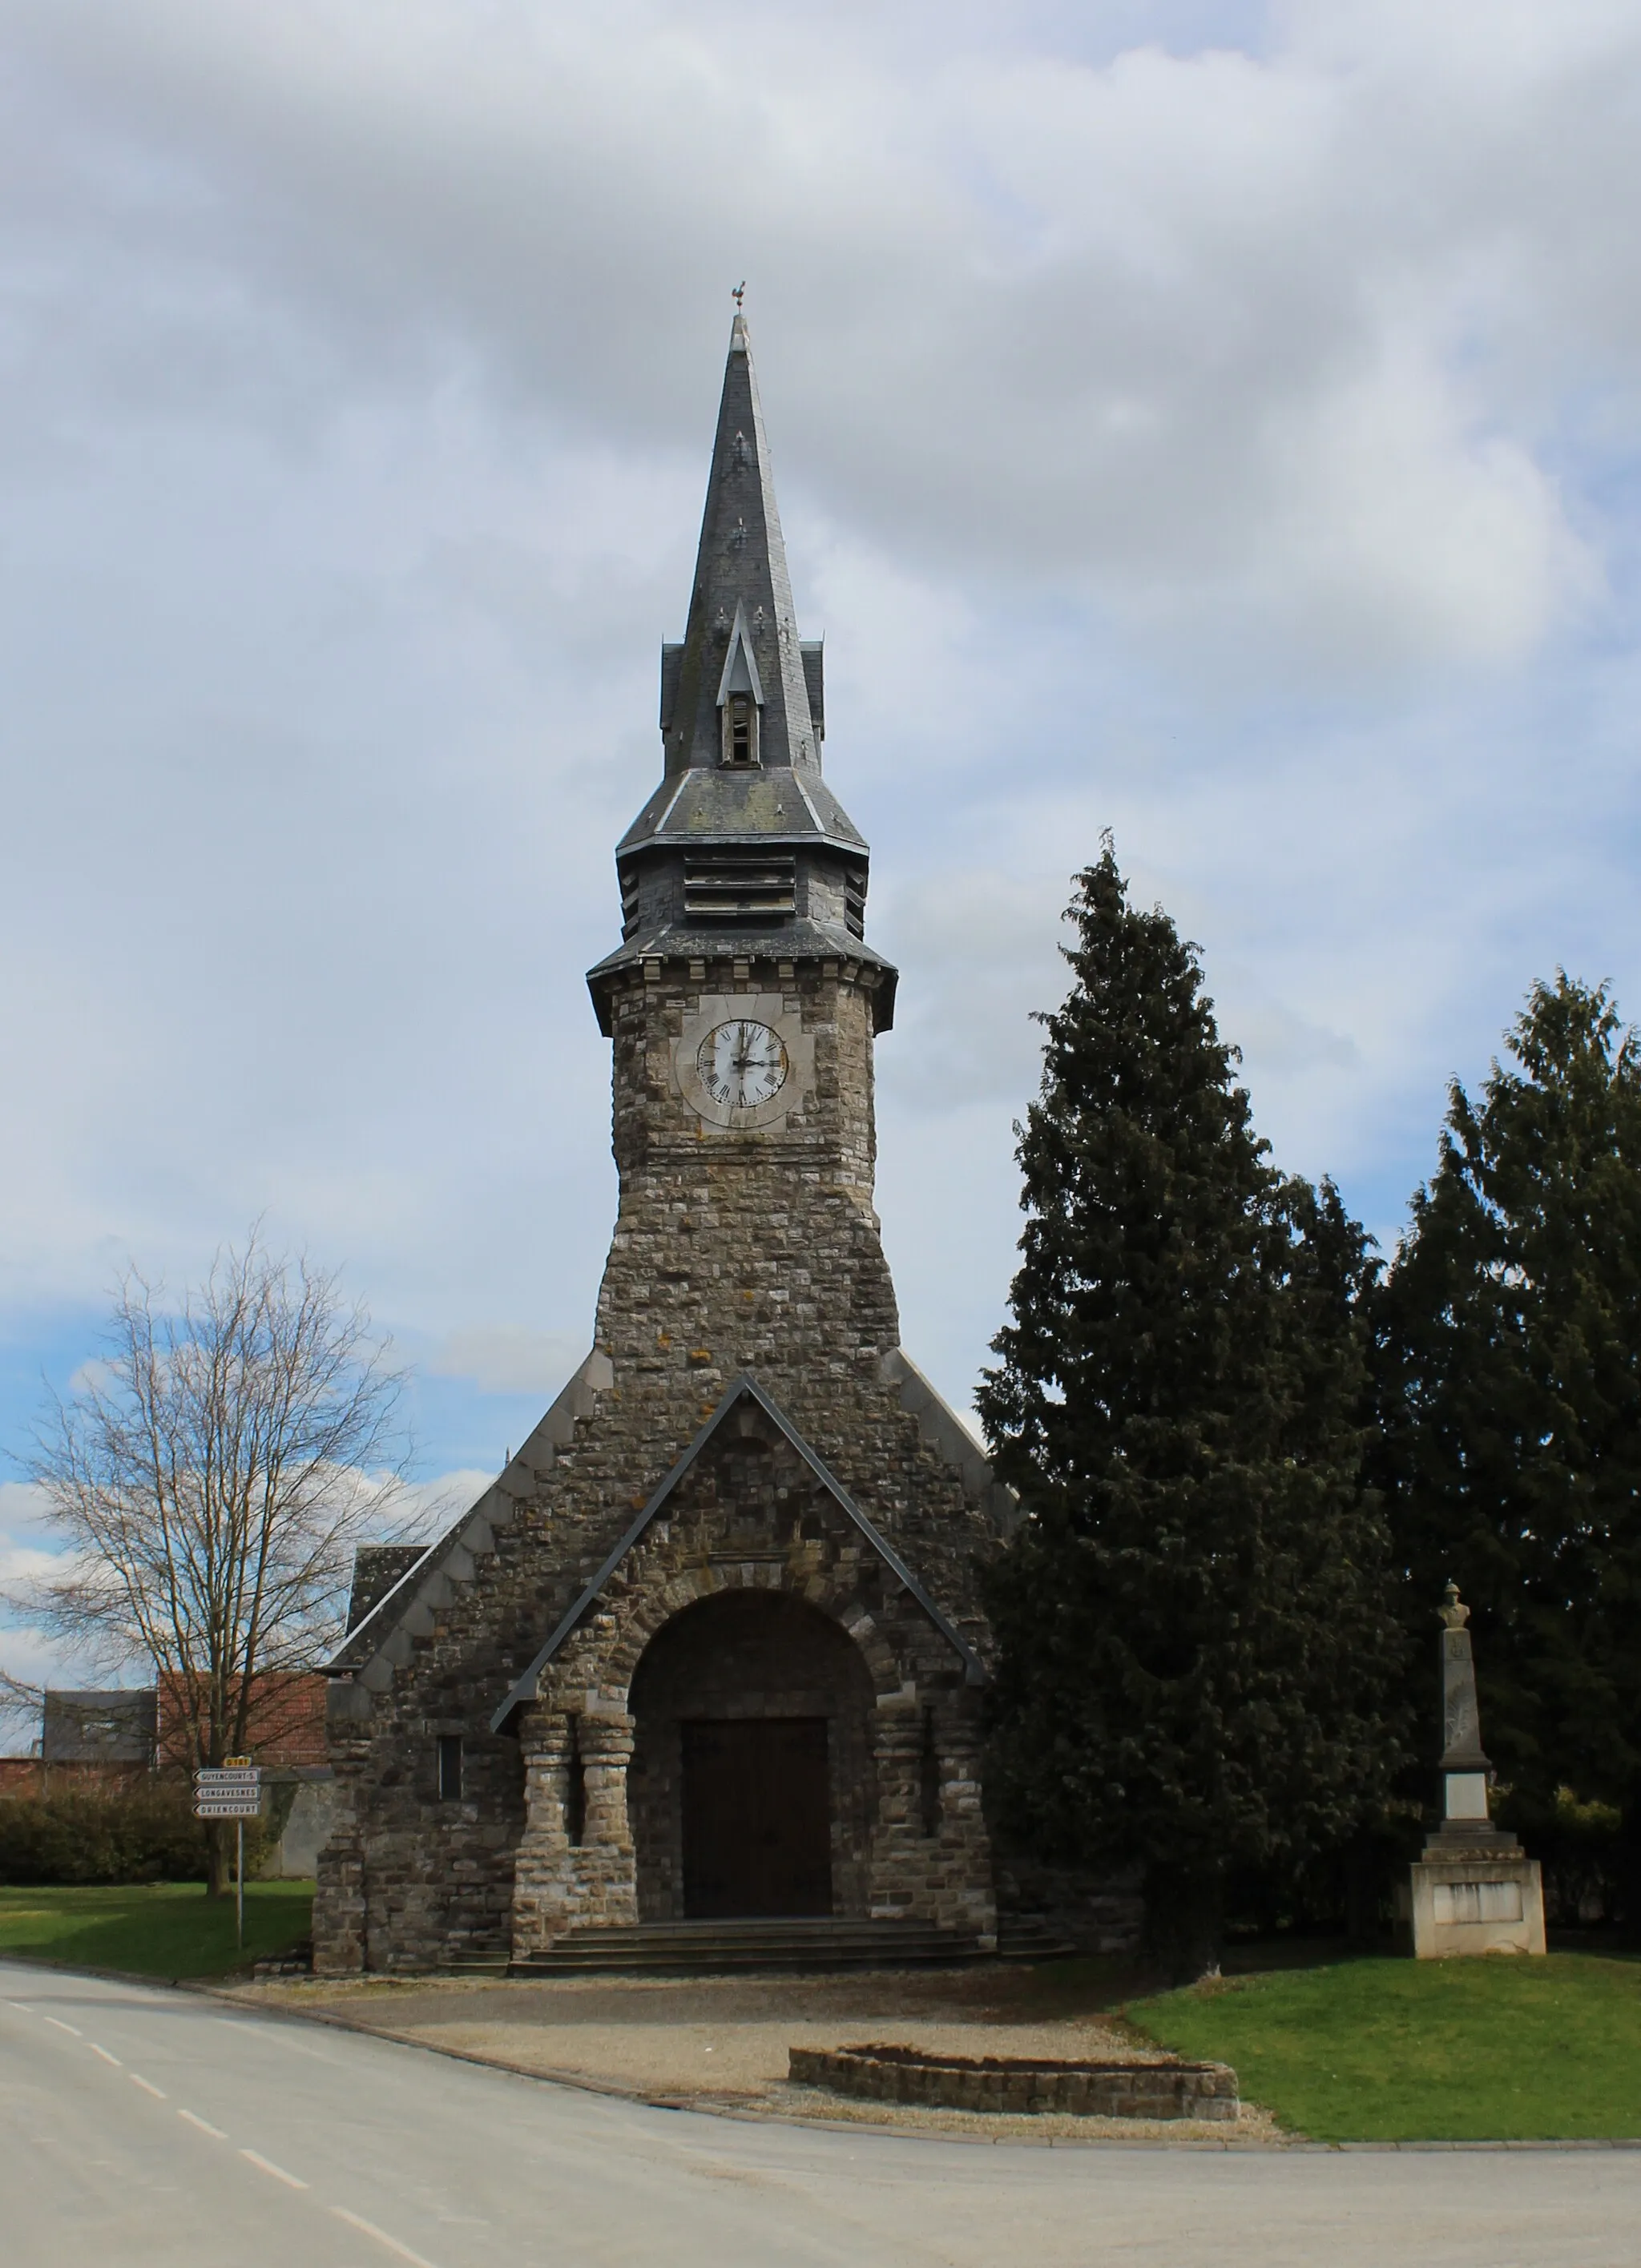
x: 735, y: 885
x: 741, y: 730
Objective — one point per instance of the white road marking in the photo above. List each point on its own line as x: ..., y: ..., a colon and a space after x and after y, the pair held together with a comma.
x: 147, y: 2085
x: 268, y: 2166
x: 104, y: 2053
x: 355, y: 2221
x: 204, y: 2125
x: 22, y: 2005
x: 61, y: 2026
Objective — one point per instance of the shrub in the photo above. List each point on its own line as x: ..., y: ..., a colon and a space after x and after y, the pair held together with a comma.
x: 147, y: 1835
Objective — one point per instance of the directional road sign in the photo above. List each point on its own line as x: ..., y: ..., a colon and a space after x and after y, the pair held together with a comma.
x: 231, y: 1792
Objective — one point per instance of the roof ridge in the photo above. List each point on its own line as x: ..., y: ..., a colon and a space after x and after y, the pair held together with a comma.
x: 745, y: 1386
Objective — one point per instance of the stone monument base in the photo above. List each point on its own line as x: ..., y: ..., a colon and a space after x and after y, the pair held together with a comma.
x: 1473, y: 1891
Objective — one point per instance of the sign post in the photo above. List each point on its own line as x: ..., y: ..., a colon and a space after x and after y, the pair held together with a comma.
x: 234, y: 1792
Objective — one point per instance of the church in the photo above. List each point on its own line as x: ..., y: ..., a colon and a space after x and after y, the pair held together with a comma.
x: 709, y: 1656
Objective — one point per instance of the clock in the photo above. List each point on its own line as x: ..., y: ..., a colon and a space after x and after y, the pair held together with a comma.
x: 741, y: 1064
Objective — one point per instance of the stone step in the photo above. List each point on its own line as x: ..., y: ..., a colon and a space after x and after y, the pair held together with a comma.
x: 822, y: 1942
x: 1032, y: 1937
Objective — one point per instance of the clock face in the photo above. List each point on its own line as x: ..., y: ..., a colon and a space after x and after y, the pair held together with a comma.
x: 741, y: 1064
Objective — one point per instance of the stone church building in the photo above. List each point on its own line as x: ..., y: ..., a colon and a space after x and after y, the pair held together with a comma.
x: 709, y: 1654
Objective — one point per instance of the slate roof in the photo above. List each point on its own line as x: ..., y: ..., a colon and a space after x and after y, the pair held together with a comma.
x: 768, y: 805
x: 796, y: 939
x: 741, y: 626
x: 117, y: 1725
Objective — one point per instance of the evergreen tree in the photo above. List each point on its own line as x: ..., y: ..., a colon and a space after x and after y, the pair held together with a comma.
x: 1194, y: 1640
x: 1508, y: 1356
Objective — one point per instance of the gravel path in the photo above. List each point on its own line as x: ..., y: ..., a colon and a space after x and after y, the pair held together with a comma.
x: 721, y: 2042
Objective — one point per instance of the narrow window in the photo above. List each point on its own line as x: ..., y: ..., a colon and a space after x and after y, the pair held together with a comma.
x: 928, y: 1777
x: 740, y: 729
x: 450, y: 1767
x: 575, y: 1788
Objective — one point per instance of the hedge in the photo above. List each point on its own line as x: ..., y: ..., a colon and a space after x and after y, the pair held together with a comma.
x: 148, y: 1835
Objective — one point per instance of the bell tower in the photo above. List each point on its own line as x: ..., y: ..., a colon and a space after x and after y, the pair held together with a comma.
x: 744, y: 1000
x: 710, y: 1648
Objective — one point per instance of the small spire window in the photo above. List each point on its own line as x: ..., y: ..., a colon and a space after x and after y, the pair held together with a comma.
x: 741, y: 730
x: 740, y: 695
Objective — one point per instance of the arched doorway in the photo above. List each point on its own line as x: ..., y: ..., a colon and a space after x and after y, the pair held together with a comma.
x: 752, y: 1789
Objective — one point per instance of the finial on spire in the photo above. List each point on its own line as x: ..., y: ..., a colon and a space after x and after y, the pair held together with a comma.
x: 738, y: 294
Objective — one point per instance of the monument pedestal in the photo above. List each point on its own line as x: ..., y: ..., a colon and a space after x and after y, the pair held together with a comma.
x: 1471, y: 1893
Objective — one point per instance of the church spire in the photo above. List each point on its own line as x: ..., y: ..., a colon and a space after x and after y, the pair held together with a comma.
x: 742, y: 849
x: 741, y: 622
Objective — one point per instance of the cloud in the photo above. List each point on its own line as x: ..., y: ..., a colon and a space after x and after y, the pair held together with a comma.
x: 24, y: 1532
x: 27, y: 1653
x: 506, y: 1360
x: 427, y: 1508
x: 416, y: 1511
x: 1184, y: 327
x: 1212, y: 422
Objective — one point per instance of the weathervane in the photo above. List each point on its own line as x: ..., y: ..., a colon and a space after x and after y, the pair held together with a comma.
x: 738, y: 294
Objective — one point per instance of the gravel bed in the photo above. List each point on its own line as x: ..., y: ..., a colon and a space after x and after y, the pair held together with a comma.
x: 720, y: 2042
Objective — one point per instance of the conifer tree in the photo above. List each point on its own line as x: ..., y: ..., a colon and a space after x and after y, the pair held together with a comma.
x: 1194, y: 1638
x: 1508, y: 1358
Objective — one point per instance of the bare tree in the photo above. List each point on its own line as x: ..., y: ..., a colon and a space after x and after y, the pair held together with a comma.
x: 209, y: 1481
x: 21, y: 1706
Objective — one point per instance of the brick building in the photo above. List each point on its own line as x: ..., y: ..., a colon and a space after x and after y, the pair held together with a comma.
x: 709, y: 1650
x: 119, y: 1740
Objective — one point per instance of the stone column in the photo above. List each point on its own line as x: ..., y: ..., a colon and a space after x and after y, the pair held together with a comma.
x: 968, y: 1897
x: 541, y: 1870
x: 898, y: 1846
x: 559, y: 1885
x: 942, y: 1878
x: 607, y: 1743
x: 1464, y: 1767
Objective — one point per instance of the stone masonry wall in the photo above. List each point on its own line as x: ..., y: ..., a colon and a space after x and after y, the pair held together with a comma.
x: 732, y: 1253
x: 909, y: 1841
x: 1009, y: 2086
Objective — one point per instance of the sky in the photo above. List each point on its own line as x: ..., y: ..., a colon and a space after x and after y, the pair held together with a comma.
x: 1215, y: 422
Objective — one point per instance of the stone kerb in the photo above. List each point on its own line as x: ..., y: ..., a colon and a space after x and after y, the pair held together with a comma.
x: 1012, y: 2085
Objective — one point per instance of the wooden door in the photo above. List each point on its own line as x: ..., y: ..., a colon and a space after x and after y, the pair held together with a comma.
x: 757, y: 1817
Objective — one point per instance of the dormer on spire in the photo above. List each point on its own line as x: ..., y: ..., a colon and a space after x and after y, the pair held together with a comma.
x: 740, y: 695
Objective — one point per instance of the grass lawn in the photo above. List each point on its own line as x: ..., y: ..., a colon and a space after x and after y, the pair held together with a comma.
x: 1381, y: 2051
x: 166, y: 1929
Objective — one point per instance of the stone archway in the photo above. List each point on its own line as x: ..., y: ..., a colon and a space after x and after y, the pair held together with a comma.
x: 753, y: 1785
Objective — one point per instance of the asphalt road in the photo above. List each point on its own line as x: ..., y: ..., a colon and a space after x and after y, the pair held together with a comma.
x: 141, y: 2126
